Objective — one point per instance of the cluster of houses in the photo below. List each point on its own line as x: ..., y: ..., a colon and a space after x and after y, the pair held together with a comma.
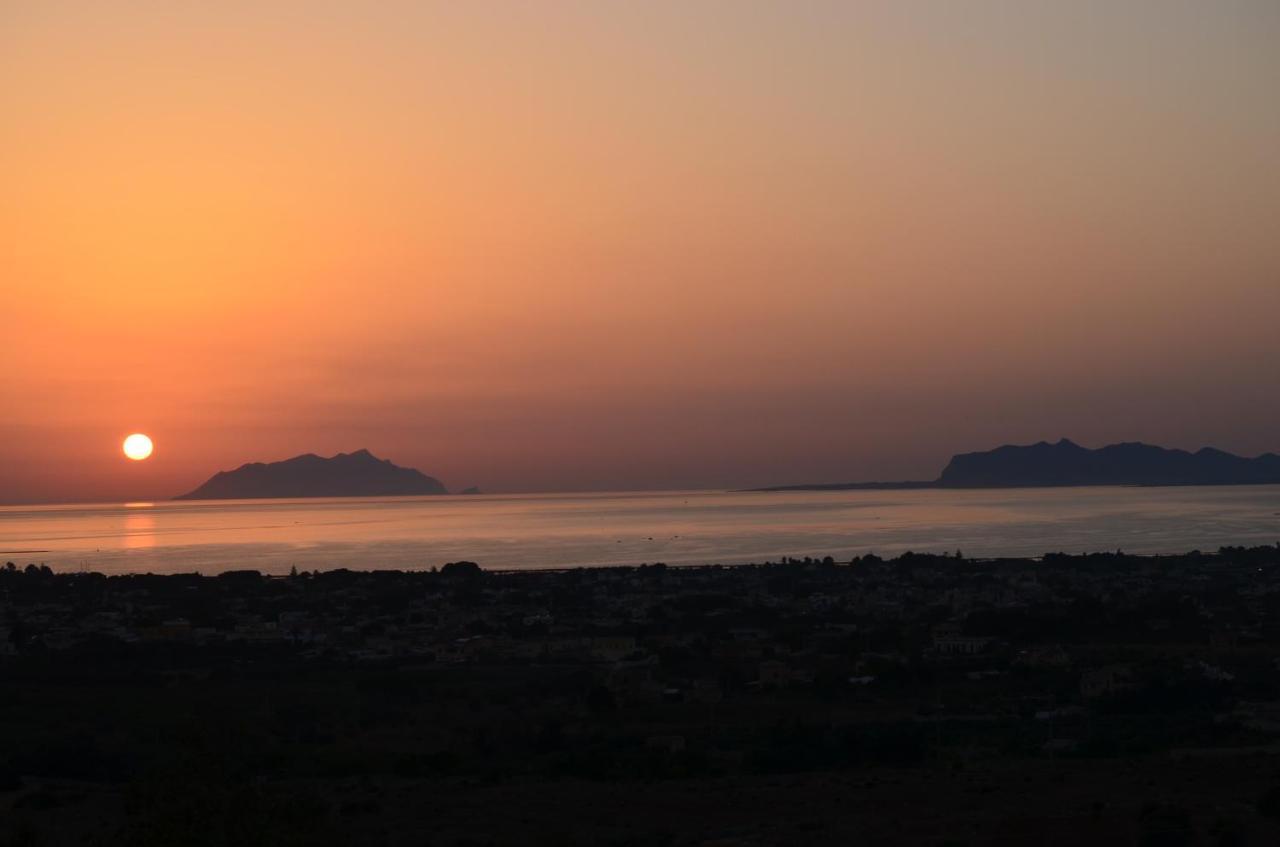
x: 697, y: 634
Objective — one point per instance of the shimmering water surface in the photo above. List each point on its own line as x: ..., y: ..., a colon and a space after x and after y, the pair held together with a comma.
x: 684, y: 527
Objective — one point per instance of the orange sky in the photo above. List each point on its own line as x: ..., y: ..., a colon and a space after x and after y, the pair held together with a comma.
x: 603, y: 245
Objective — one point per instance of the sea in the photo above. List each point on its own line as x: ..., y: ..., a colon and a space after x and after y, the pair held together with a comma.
x: 512, y: 532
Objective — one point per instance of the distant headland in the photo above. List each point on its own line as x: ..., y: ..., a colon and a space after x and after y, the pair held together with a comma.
x: 358, y: 474
x: 1066, y: 463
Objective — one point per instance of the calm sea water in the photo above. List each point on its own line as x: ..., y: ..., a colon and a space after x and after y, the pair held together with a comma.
x: 684, y: 527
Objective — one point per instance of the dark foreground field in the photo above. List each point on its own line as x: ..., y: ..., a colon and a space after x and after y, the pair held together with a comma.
x: 924, y: 700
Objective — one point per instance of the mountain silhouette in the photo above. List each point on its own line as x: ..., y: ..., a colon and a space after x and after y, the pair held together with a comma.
x: 1129, y: 463
x: 1065, y: 463
x: 358, y: 474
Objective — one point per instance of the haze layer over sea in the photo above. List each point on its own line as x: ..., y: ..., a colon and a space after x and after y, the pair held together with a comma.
x: 628, y: 528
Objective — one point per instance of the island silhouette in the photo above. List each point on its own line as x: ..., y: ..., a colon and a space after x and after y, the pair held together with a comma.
x: 358, y: 474
x: 1065, y: 463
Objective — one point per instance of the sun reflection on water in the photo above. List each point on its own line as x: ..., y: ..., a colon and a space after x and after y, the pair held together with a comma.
x: 140, y: 531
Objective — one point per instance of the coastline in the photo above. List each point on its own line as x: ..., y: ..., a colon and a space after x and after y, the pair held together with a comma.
x: 633, y: 528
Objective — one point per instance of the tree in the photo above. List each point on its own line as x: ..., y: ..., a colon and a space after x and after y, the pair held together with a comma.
x: 461, y: 570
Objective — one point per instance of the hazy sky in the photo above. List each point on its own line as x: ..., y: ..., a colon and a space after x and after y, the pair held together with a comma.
x: 534, y: 246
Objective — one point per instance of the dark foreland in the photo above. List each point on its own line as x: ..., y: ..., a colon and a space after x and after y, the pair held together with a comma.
x: 925, y: 700
x: 358, y: 474
x: 1067, y: 463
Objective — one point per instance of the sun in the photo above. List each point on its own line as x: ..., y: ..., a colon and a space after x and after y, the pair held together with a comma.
x: 137, y: 447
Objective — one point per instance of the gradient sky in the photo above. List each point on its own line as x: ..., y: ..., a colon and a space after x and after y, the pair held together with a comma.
x: 548, y: 246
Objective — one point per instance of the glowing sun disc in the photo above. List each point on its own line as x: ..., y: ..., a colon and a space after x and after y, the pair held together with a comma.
x: 137, y: 447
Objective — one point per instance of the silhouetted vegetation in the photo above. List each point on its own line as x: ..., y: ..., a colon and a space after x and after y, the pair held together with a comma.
x: 806, y: 700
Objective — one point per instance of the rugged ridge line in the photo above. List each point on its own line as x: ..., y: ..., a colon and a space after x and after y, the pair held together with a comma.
x: 1065, y: 463
x: 358, y: 474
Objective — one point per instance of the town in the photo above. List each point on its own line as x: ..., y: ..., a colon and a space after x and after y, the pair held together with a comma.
x: 921, y: 699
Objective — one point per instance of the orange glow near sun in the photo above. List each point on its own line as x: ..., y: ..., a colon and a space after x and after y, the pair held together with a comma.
x: 137, y: 446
